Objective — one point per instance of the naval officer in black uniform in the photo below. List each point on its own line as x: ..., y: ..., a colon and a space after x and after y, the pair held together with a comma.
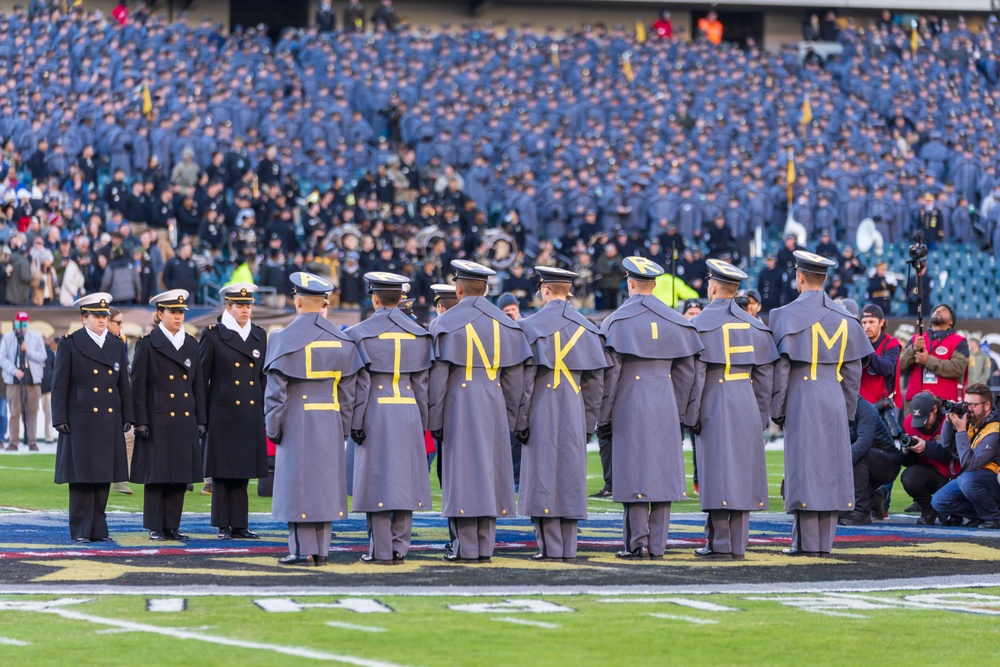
x: 91, y: 410
x: 232, y: 363
x: 170, y: 416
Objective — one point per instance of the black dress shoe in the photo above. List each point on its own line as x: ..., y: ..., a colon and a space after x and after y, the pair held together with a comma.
x: 245, y: 534
x: 292, y: 559
x: 540, y: 557
x: 795, y: 551
x: 225, y: 534
x: 912, y: 508
x: 106, y: 538
x: 368, y: 559
x: 972, y: 523
x: 603, y: 493
x: 157, y: 536
x: 175, y: 534
x: 928, y: 518
x: 398, y: 557
x: 639, y: 553
x: 856, y: 519
x: 485, y: 559
x: 990, y: 525
x: 452, y: 557
x: 81, y: 539
x: 319, y: 561
x: 951, y: 520
x: 709, y: 552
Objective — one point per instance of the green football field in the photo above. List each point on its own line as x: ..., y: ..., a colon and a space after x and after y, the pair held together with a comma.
x: 27, y: 484
x: 761, y: 628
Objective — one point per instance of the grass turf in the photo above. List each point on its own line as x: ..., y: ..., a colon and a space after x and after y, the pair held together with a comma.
x: 428, y: 631
x: 27, y: 484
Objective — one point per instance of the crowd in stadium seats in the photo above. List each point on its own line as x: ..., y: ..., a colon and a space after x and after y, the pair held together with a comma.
x: 138, y: 152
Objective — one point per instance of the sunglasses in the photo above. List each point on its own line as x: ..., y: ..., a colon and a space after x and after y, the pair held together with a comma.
x: 118, y: 322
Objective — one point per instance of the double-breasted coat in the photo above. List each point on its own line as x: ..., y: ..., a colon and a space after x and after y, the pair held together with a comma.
x: 235, y: 445
x: 390, y: 467
x: 168, y: 393
x: 476, y: 394
x: 312, y: 377
x: 646, y: 390
x: 563, y: 383
x: 731, y: 403
x: 816, y: 384
x: 91, y: 393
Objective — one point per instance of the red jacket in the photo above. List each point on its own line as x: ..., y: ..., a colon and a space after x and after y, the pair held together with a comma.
x: 947, y: 469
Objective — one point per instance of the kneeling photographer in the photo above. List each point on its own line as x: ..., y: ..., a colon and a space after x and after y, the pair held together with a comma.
x: 929, y: 464
x: 972, y: 430
x: 876, y: 461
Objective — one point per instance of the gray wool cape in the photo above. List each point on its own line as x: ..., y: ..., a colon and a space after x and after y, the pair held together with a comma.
x: 646, y: 391
x: 312, y: 379
x: 731, y: 402
x: 564, y: 385
x: 390, y: 468
x: 816, y: 384
x: 476, y: 392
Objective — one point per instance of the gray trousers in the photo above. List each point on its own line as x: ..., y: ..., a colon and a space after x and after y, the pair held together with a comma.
x: 814, y: 531
x: 728, y: 531
x: 556, y: 537
x: 309, y: 539
x: 646, y: 525
x: 475, y: 537
x: 388, y: 532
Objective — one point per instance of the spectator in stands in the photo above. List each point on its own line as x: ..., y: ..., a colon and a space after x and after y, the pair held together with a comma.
x: 937, y: 360
x: 663, y: 26
x: 181, y: 272
x: 384, y: 17
x: 975, y: 439
x: 326, y: 17
x: 354, y: 16
x: 979, y: 364
x: 881, y: 287
x: 17, y: 288
x: 710, y: 27
x: 22, y: 359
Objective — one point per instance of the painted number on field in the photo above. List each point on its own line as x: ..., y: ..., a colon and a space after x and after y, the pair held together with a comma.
x: 511, y: 606
x: 288, y: 605
x: 827, y: 605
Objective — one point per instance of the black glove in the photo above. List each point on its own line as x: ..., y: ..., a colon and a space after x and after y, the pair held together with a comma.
x: 780, y: 421
x: 603, y: 430
x: 438, y: 434
x: 521, y: 436
x: 358, y: 436
x: 127, y: 428
x: 696, y: 429
x: 589, y: 436
x: 276, y: 439
x: 142, y: 431
x: 62, y: 428
x: 202, y: 430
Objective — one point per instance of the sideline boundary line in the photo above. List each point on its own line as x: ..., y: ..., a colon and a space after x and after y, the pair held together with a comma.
x: 848, y: 586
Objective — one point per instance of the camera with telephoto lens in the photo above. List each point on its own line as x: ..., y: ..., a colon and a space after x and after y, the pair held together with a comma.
x: 887, y: 411
x: 918, y: 254
x: 957, y: 408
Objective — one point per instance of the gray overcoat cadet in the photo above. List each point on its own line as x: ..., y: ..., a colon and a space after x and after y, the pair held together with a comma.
x: 732, y: 403
x: 563, y: 387
x: 646, y: 391
x: 476, y: 399
x: 308, y: 407
x: 390, y: 468
x: 816, y: 383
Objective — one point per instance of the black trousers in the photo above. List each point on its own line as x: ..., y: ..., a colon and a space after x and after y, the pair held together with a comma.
x: 230, y: 504
x: 922, y: 481
x: 604, y: 446
x: 162, y: 506
x: 87, y: 517
x: 877, y: 468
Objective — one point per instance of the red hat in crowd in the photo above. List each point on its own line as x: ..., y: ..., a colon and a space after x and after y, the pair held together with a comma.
x: 22, y: 317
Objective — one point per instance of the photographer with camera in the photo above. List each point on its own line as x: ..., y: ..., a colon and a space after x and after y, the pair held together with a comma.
x: 929, y: 464
x: 972, y: 432
x: 936, y: 360
x: 875, y: 459
x: 22, y: 356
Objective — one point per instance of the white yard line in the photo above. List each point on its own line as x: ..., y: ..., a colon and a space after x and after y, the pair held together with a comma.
x: 524, y: 621
x: 687, y: 619
x: 359, y: 628
x: 181, y: 633
x: 851, y: 586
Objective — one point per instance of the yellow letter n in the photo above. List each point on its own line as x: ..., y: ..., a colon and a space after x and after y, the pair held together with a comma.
x: 473, y: 339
